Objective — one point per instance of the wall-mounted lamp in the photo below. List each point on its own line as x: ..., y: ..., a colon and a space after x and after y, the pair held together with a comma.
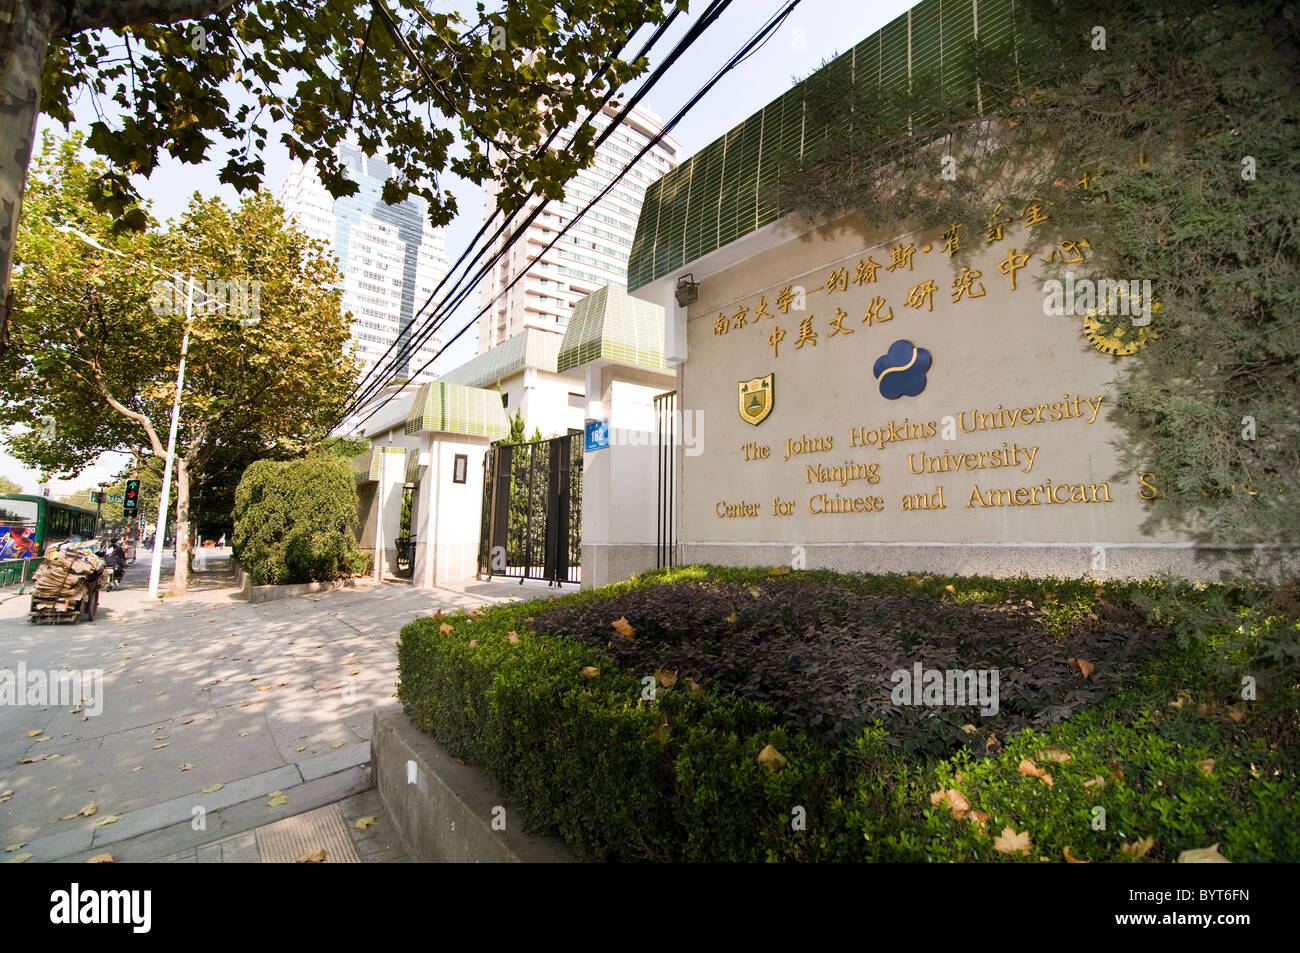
x: 688, y: 291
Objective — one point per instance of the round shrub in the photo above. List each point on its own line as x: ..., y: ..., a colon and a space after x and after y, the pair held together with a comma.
x: 295, y: 521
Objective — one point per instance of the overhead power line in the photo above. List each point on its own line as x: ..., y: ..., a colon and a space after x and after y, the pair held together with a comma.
x: 378, y: 369
x: 757, y: 40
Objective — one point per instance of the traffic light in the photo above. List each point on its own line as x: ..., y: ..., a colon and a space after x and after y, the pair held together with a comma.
x: 131, y: 499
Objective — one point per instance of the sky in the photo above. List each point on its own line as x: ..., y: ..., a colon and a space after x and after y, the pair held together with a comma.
x: 816, y: 31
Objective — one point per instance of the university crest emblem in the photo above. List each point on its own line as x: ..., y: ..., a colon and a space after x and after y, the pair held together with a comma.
x: 756, y: 399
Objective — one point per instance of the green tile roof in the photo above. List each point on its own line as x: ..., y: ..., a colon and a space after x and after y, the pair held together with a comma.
x: 529, y: 348
x: 454, y: 408
x: 610, y: 324
x: 368, y: 463
x: 728, y: 189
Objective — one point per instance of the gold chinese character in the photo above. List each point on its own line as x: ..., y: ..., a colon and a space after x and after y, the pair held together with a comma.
x: 837, y: 323
x: 1011, y: 264
x: 901, y: 255
x: 922, y: 294
x: 762, y: 309
x: 866, y: 271
x: 722, y: 325
x: 950, y: 240
x: 993, y: 229
x: 965, y: 284
x: 1034, y: 211
x: 1075, y: 249
x: 739, y: 317
x: 784, y: 298
x: 806, y: 333
x: 838, y: 280
x: 775, y: 339
x: 873, y: 311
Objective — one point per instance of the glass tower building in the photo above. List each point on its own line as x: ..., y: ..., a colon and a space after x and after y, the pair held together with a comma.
x: 391, y: 258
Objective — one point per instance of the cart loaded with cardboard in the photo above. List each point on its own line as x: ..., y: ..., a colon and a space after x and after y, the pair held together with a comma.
x: 66, y: 585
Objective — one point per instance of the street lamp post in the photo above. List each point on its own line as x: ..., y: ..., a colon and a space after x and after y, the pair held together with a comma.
x: 155, y: 566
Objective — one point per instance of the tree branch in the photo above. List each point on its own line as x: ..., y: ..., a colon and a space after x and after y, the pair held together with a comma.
x: 116, y: 14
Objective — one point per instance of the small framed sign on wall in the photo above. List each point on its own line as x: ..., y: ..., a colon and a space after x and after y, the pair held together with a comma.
x: 460, y: 468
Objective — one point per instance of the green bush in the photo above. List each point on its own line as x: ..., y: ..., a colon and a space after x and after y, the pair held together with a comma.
x: 618, y: 776
x: 295, y: 521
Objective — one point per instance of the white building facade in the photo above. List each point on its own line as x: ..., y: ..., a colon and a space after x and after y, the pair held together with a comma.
x: 595, y: 250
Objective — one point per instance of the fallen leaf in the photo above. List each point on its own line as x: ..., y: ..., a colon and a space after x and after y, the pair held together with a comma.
x: 339, y: 745
x: 1115, y: 773
x: 6, y: 796
x: 213, y: 788
x: 969, y: 729
x: 1098, y: 782
x: 590, y: 671
x: 1139, y: 848
x: 662, y: 730
x: 1055, y: 754
x: 32, y: 734
x: 949, y: 589
x: 163, y: 745
x: 111, y: 819
x: 1086, y: 668
x: 20, y: 859
x: 512, y: 637
x: 771, y: 759
x: 979, y: 818
x: 105, y: 858
x: 187, y: 721
x: 187, y: 766
x: 243, y: 734
x: 314, y: 857
x: 161, y: 737
x: 731, y: 619
x: 301, y: 750
x: 1034, y: 771
x: 1071, y: 859
x: 694, y: 687
x: 13, y: 847
x: 364, y: 822
x: 1206, y: 765
x: 444, y: 628
x: 276, y: 798
x: 1203, y: 855
x: 666, y: 679
x: 779, y: 571
x: 1009, y: 842
x: 473, y: 643
x: 623, y: 627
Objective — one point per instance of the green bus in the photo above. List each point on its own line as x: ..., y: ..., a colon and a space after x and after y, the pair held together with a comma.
x: 29, y: 526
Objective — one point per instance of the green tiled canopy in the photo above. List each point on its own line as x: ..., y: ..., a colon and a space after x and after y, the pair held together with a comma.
x: 370, y: 462
x: 528, y: 348
x: 454, y: 408
x: 610, y: 324
x: 729, y: 188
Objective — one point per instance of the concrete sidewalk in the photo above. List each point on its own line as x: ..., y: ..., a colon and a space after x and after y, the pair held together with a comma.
x: 210, y: 706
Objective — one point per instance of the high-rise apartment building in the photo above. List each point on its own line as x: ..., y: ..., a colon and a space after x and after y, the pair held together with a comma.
x: 391, y: 258
x: 595, y: 250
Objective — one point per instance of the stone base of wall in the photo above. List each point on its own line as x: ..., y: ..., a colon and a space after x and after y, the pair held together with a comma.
x: 445, y: 811
x: 605, y: 564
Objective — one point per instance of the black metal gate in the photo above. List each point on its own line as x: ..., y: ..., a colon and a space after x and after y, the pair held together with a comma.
x: 532, y: 511
x: 667, y: 422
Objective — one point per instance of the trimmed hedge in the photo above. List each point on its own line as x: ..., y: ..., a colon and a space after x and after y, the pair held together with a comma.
x: 619, y: 776
x: 295, y: 521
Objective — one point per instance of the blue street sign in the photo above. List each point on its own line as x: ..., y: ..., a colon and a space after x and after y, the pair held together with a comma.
x: 597, y: 435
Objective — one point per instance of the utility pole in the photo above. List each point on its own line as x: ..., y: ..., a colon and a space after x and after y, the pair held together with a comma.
x: 155, y: 566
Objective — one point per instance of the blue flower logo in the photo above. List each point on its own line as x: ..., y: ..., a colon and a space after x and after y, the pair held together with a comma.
x: 900, y: 371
